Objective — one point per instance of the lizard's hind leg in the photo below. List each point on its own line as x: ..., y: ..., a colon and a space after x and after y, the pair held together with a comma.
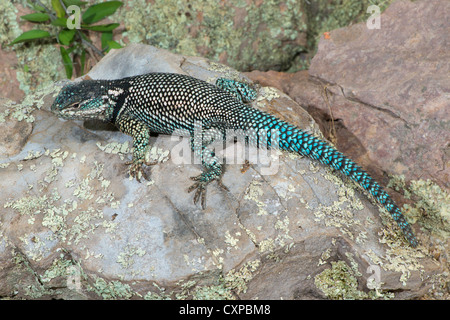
x: 213, y: 167
x: 242, y: 91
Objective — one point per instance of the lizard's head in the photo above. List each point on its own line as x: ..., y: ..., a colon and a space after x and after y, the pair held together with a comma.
x: 84, y: 100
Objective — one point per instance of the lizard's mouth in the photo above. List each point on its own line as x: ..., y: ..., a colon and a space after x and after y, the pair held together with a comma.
x: 82, y: 110
x: 70, y: 111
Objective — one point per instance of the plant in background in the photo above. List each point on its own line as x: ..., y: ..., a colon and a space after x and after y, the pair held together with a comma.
x: 73, y: 28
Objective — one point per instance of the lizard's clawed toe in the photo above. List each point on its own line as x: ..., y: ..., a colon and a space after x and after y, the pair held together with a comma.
x: 136, y: 171
x: 200, y: 193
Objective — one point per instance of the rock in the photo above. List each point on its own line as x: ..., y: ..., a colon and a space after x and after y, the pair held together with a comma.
x: 246, y: 35
x: 395, y: 87
x: 15, y: 133
x: 74, y: 226
x: 387, y: 91
x: 311, y: 96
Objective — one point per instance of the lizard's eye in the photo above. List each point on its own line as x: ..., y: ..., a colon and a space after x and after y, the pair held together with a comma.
x: 75, y: 105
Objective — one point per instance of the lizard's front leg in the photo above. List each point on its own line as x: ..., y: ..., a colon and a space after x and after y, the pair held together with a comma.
x: 141, y: 135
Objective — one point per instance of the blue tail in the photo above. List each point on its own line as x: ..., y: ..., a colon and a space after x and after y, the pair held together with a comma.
x: 296, y: 140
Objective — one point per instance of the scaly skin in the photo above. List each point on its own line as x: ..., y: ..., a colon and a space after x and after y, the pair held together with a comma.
x: 164, y: 103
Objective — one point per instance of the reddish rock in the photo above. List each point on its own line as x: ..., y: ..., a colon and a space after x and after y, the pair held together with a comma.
x: 387, y: 90
x: 398, y: 76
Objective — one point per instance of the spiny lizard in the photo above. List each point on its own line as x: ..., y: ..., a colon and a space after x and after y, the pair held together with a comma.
x: 165, y: 102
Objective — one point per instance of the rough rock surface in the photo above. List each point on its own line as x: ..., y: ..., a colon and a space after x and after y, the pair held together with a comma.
x: 388, y: 92
x: 389, y: 87
x: 72, y: 225
x: 244, y: 34
x: 398, y: 76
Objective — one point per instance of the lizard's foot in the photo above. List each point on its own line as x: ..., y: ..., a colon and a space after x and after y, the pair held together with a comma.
x: 202, y: 181
x: 200, y: 193
x: 136, y: 171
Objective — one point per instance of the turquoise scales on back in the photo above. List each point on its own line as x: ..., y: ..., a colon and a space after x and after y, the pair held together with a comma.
x: 166, y: 102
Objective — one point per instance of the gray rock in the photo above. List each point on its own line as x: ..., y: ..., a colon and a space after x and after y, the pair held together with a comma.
x: 73, y: 225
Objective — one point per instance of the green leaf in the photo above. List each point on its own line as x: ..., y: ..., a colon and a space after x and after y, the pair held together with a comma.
x: 71, y: 49
x: 106, y: 36
x: 74, y: 2
x: 37, y: 7
x: 60, y: 22
x: 99, y: 11
x: 108, y: 43
x: 36, y: 17
x: 101, y: 28
x: 65, y: 36
x: 68, y: 64
x: 114, y: 45
x: 31, y: 35
x: 58, y: 8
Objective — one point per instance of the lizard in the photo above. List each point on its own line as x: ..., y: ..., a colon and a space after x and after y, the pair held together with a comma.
x: 165, y: 102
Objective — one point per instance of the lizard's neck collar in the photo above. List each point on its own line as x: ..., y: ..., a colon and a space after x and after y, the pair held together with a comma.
x: 116, y: 97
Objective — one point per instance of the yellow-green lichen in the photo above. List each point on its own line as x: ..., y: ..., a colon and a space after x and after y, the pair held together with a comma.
x: 127, y: 257
x: 122, y: 149
x: 23, y: 111
x: 154, y: 296
x: 61, y: 267
x: 36, y: 61
x: 266, y: 94
x: 224, y: 71
x: 213, y: 292
x: 9, y: 27
x: 161, y: 294
x: 340, y: 213
x: 283, y: 238
x: 69, y: 220
x: 153, y: 154
x: 111, y: 290
x: 213, y: 30
x: 324, y: 257
x: 191, y: 289
x: 398, y: 258
x: 29, y: 206
x: 31, y: 284
x: 237, y: 280
x: 266, y: 245
x: 249, y: 233
x: 339, y: 282
x: 232, y: 241
x: 431, y: 208
x: 253, y: 192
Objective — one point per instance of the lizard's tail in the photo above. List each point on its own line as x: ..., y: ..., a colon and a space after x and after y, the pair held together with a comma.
x: 293, y: 139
